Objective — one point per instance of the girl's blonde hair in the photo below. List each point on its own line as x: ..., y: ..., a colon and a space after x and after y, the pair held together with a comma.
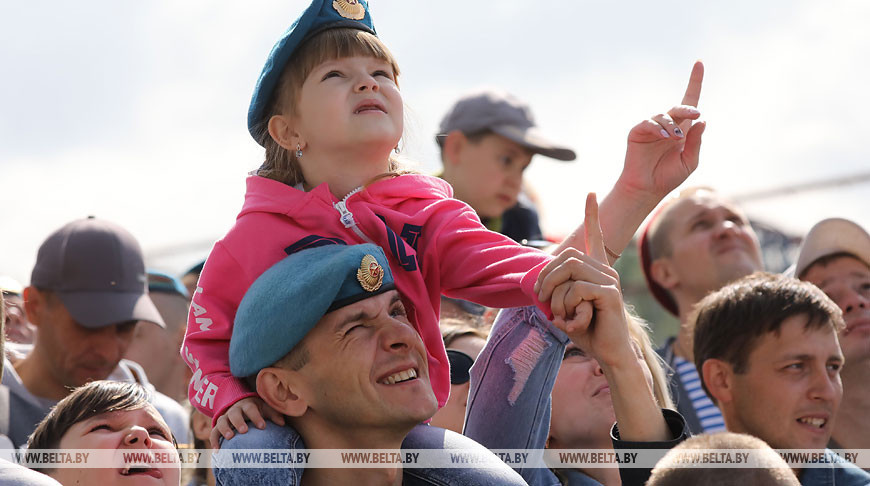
x: 281, y: 164
x: 640, y: 332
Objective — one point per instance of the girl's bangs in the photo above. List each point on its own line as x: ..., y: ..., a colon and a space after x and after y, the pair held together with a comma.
x: 338, y: 44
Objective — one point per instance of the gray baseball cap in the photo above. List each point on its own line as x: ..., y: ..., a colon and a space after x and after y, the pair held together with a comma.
x: 96, y: 269
x: 503, y: 114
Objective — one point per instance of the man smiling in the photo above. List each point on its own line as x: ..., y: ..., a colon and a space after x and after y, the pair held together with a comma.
x: 324, y: 338
x: 767, y: 350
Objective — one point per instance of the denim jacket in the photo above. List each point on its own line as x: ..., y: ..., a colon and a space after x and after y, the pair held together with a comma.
x: 509, y: 400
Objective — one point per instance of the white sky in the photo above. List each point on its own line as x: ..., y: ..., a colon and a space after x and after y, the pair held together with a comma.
x: 135, y: 111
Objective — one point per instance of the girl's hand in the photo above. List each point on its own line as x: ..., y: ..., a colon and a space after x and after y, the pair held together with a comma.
x: 251, y: 408
x: 663, y: 150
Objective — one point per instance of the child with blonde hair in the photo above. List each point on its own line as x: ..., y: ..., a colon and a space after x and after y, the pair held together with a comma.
x: 328, y: 110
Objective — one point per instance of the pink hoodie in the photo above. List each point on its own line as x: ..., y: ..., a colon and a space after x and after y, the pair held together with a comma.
x: 435, y: 244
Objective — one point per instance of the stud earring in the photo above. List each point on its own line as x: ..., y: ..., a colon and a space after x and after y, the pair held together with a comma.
x: 298, y: 151
x: 396, y: 149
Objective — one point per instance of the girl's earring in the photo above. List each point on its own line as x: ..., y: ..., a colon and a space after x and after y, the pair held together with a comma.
x: 298, y: 151
x: 396, y: 149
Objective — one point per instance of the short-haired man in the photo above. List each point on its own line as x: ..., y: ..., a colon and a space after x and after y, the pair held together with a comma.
x: 86, y: 295
x: 324, y: 337
x: 487, y: 141
x: 672, y: 471
x: 767, y: 349
x: 694, y: 244
x: 835, y: 256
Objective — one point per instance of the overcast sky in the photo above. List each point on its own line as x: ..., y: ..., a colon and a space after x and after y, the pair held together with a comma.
x: 135, y: 111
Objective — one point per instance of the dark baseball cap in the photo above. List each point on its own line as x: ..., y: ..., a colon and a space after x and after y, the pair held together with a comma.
x: 96, y: 269
x: 502, y: 114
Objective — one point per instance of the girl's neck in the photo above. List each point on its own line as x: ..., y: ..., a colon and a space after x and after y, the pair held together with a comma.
x: 343, y: 172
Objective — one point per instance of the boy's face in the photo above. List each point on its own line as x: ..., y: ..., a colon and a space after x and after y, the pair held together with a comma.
x: 791, y: 390
x: 141, y: 430
x: 488, y: 174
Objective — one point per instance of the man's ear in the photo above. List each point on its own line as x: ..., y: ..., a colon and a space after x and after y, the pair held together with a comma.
x: 718, y: 376
x: 35, y: 303
x: 283, y: 390
x: 662, y: 273
x: 281, y: 129
x: 452, y: 147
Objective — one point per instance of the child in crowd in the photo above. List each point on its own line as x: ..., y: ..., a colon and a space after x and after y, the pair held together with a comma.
x: 487, y: 141
x: 328, y: 111
x: 109, y: 415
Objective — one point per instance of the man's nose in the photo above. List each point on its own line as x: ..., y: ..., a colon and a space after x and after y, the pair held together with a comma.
x: 397, y: 336
x: 853, y: 301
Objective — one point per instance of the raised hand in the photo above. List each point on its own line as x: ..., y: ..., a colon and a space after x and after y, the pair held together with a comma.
x: 585, y: 295
x: 663, y: 150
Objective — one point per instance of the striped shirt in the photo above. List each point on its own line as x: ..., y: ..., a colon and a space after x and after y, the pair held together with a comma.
x: 707, y: 411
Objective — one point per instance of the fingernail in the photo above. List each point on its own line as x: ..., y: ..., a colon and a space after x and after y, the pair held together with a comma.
x: 665, y: 133
x: 678, y: 132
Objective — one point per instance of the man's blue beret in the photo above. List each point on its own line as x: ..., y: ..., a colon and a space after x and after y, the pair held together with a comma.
x: 289, y: 298
x: 319, y: 16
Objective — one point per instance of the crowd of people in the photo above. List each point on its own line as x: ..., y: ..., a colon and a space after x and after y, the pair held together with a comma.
x: 357, y: 305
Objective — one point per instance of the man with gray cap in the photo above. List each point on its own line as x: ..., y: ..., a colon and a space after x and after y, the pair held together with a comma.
x: 487, y: 140
x: 835, y: 256
x: 323, y: 337
x: 86, y: 295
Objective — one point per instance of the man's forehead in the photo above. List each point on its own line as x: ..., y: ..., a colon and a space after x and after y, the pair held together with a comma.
x: 359, y: 309
x: 699, y: 202
x: 844, y: 267
x: 796, y: 339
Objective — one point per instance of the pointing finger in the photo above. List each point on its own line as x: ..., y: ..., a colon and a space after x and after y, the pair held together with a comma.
x: 693, y: 90
x: 592, y: 227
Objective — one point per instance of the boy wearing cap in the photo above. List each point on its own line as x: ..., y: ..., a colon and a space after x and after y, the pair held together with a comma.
x: 287, y: 341
x: 487, y: 141
x: 86, y: 296
x: 835, y: 256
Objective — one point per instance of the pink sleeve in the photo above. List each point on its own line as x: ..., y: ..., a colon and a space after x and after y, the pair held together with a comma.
x: 484, y: 266
x: 221, y: 287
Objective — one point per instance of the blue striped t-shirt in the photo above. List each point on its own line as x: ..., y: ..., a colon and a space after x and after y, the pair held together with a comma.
x: 707, y: 411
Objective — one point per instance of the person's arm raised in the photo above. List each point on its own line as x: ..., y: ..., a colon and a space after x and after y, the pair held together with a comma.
x: 662, y: 152
x: 581, y: 285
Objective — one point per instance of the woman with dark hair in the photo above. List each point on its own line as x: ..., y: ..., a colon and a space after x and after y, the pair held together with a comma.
x: 108, y: 415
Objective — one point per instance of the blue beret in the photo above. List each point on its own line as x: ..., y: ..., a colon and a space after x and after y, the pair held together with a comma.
x: 289, y: 298
x: 319, y: 16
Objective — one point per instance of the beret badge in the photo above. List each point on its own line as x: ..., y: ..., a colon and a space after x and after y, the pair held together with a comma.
x: 349, y: 9
x: 370, y: 274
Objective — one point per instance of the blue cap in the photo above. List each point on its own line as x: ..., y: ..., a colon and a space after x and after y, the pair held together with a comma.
x: 161, y: 282
x: 289, y: 298
x: 319, y: 16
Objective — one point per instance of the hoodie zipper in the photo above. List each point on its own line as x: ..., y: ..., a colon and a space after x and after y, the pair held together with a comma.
x: 346, y: 217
